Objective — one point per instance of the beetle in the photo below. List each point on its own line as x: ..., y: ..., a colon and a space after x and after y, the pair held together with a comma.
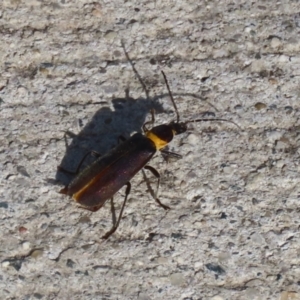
x: 99, y: 181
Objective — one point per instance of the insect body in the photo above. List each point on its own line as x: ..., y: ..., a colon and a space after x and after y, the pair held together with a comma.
x: 110, y: 172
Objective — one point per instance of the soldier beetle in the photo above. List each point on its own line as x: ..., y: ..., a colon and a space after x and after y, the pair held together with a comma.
x: 109, y: 173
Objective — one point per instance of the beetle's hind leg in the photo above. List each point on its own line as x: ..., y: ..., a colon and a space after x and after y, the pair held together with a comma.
x: 61, y: 169
x: 116, y: 224
x: 94, y: 153
x: 154, y: 195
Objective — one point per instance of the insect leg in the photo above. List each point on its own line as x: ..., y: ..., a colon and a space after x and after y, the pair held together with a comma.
x: 94, y: 153
x: 116, y: 225
x: 113, y: 211
x: 156, y: 174
x: 145, y: 129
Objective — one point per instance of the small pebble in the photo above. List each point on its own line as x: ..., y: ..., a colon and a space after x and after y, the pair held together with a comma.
x: 217, y: 298
x: 5, y: 264
x: 177, y: 279
x: 37, y: 253
x: 193, y: 139
x: 275, y: 42
x: 26, y: 245
x: 286, y: 295
x: 260, y: 105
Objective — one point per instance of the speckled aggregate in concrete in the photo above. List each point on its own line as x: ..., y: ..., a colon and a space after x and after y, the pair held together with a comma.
x: 233, y: 230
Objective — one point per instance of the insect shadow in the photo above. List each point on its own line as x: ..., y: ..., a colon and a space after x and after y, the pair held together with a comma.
x: 103, y: 132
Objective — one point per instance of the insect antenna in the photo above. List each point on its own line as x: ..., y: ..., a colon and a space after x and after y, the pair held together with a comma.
x: 196, y: 120
x: 174, y: 104
x: 209, y: 120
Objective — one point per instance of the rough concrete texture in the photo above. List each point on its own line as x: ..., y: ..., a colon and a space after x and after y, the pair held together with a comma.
x: 233, y: 228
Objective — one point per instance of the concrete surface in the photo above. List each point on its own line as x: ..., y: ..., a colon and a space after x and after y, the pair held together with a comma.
x: 233, y: 230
